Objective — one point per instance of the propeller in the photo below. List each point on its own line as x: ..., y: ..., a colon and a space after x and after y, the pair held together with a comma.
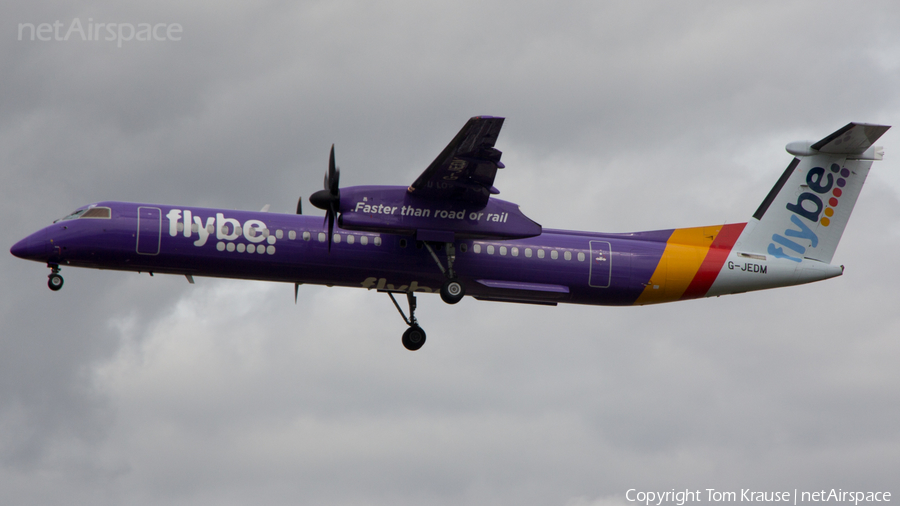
x: 329, y: 199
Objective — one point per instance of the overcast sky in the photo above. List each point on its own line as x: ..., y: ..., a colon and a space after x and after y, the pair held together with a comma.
x: 621, y: 116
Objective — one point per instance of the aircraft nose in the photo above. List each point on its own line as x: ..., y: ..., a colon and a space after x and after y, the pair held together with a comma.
x: 33, y: 247
x: 20, y: 249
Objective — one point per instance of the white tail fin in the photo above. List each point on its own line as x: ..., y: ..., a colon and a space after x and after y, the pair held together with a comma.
x: 807, y: 210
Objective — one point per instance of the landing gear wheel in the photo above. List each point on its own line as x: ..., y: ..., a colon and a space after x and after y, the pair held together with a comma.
x: 452, y: 291
x: 55, y: 282
x: 413, y: 338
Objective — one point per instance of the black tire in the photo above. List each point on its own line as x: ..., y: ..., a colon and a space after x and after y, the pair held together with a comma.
x: 55, y: 282
x: 413, y: 338
x: 452, y: 291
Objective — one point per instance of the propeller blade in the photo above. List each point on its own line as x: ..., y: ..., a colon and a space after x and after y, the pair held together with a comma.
x: 331, y: 162
x: 296, y: 290
x: 300, y: 206
x: 328, y: 199
x: 334, y: 175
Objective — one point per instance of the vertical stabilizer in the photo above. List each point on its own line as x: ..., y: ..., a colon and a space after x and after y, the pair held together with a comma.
x: 805, y: 214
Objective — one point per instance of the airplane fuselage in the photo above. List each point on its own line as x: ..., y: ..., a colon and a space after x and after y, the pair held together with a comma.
x: 557, y: 266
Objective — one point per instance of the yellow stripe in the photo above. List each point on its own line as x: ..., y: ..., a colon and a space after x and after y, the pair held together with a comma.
x: 684, y: 253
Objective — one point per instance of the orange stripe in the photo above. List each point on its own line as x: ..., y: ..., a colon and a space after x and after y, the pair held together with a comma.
x: 685, y: 252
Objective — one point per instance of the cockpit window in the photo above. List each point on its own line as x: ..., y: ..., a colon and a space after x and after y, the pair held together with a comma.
x: 93, y: 212
x: 97, y: 212
x: 73, y: 216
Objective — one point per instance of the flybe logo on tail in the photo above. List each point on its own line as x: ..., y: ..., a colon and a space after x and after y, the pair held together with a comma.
x: 811, y: 207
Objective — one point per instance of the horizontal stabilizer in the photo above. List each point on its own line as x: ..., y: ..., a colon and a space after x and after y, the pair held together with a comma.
x: 853, y: 139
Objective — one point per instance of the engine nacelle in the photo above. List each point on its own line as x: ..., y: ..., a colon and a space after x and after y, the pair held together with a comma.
x: 393, y: 209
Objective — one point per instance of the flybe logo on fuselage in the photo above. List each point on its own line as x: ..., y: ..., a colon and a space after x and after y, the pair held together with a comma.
x: 811, y: 207
x: 226, y: 230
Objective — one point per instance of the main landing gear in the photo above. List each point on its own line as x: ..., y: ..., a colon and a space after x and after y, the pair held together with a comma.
x: 414, y: 337
x: 54, y: 280
x: 452, y: 291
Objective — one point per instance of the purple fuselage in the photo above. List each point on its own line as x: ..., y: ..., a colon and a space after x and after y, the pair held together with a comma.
x: 555, y: 266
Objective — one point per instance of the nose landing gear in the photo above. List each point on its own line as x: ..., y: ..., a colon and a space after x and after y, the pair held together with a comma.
x: 54, y: 280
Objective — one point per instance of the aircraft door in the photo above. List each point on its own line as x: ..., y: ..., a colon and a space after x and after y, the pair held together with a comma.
x: 149, y: 230
x: 601, y: 264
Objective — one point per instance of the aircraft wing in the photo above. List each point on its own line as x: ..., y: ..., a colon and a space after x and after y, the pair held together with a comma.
x: 465, y: 169
x: 852, y: 139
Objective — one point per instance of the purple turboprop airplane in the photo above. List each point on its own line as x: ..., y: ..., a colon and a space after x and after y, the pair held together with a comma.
x: 446, y: 233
